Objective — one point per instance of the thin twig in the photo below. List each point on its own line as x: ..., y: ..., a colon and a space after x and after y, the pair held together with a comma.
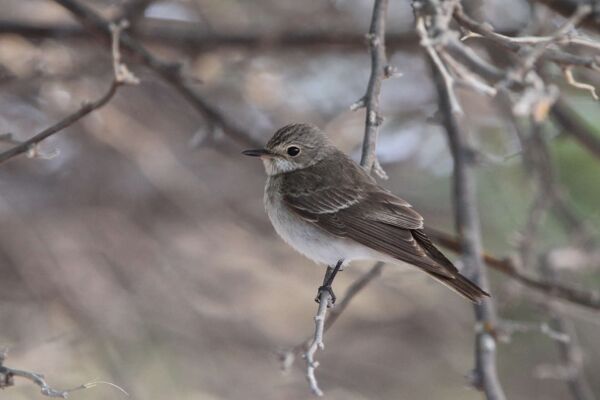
x: 170, y: 72
x: 568, y: 7
x: 317, y: 343
x: 288, y: 356
x: 7, y: 376
x: 589, y: 299
x: 468, y: 78
x: 433, y: 54
x: 568, y: 71
x: 558, y: 56
x: 121, y: 76
x: 507, y: 328
x: 558, y: 35
x: 379, y: 71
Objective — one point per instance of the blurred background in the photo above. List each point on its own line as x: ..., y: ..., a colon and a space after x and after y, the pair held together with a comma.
x: 136, y: 250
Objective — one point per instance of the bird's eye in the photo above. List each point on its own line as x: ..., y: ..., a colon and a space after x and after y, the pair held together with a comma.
x: 293, y: 151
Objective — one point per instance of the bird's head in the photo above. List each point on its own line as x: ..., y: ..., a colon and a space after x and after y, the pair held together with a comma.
x: 293, y: 147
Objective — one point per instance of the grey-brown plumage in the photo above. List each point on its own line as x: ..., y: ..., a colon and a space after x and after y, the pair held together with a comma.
x: 325, y: 205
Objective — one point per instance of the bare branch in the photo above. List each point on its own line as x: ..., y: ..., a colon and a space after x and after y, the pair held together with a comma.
x: 379, y: 71
x: 568, y: 7
x: 188, y: 37
x: 585, y: 298
x: 171, y: 73
x: 485, y: 375
x: 122, y: 73
x: 468, y: 78
x: 507, y: 328
x: 433, y: 54
x: 288, y: 356
x: 317, y: 343
x: 557, y: 36
x: 7, y: 376
x: 32, y: 142
x: 560, y: 37
x: 568, y: 71
x: 122, y: 76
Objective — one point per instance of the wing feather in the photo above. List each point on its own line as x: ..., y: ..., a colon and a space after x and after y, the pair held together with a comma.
x: 384, y: 223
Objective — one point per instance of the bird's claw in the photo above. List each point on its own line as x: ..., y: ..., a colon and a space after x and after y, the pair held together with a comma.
x: 329, y: 290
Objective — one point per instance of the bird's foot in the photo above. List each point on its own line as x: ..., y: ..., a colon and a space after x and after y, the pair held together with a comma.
x: 328, y: 289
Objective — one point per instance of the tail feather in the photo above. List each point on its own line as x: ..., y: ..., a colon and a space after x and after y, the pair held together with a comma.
x: 458, y: 283
x: 463, y: 286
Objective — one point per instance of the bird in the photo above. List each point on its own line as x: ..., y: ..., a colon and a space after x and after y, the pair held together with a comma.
x: 328, y: 208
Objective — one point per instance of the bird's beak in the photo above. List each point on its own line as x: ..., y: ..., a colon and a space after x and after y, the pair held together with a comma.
x: 257, y: 153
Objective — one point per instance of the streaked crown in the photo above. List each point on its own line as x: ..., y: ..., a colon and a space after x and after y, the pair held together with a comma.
x: 304, y: 134
x: 296, y: 146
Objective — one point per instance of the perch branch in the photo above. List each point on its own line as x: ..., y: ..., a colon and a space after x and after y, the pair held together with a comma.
x: 288, y: 356
x: 379, y: 70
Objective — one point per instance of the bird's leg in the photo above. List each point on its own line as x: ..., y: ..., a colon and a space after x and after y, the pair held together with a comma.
x: 328, y: 281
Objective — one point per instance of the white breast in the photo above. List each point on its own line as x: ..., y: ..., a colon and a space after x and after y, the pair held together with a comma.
x: 308, y: 239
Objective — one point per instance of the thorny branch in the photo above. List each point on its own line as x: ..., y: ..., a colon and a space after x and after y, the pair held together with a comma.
x: 7, y: 376
x: 122, y: 76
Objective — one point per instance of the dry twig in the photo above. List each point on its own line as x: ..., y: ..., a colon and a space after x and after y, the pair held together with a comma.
x: 122, y: 76
x: 379, y: 71
x: 288, y: 356
x: 7, y: 376
x: 170, y: 72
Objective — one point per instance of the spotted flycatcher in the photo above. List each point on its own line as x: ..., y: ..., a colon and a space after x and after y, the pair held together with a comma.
x: 328, y: 208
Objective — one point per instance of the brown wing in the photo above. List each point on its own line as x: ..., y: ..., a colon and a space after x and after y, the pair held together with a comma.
x: 369, y: 215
